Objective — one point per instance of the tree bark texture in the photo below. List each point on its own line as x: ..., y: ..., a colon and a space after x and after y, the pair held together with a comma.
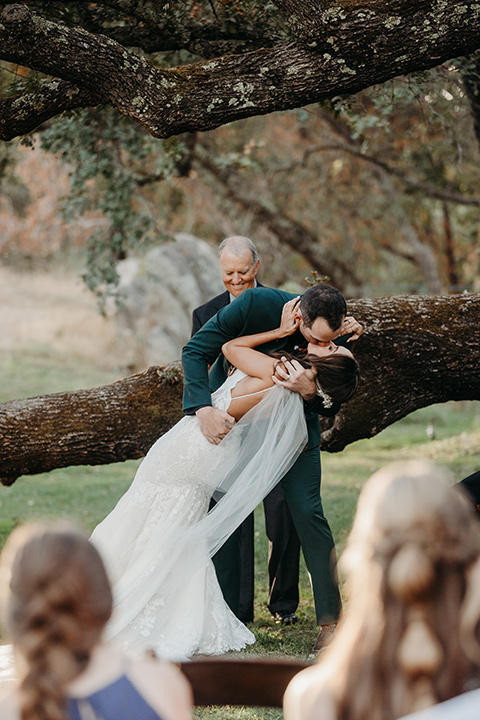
x: 415, y: 351
x: 108, y: 424
x: 334, y: 49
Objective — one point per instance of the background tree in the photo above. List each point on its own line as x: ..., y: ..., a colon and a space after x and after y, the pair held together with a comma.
x: 287, y: 54
x: 197, y: 39
x: 376, y: 192
x: 380, y: 187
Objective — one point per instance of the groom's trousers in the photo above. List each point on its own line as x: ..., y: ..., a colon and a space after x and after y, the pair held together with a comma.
x: 301, y: 486
x: 234, y: 562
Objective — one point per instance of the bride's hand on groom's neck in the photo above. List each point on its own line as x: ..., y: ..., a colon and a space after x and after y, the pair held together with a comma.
x: 290, y: 319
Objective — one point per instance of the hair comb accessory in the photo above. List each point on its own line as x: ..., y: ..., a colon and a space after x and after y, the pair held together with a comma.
x: 327, y: 400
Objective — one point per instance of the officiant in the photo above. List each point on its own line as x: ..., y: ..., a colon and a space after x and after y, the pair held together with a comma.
x: 234, y: 563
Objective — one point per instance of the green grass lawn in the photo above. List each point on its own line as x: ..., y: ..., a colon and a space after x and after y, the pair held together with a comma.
x: 88, y: 493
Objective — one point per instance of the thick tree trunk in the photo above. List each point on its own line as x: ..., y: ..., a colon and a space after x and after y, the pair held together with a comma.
x: 336, y: 49
x: 416, y: 351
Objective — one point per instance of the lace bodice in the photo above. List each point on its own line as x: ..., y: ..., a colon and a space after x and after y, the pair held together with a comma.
x: 222, y: 397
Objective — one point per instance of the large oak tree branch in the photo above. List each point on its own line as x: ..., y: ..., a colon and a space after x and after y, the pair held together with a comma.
x: 116, y: 422
x: 339, y: 49
x: 21, y: 115
x: 207, y: 31
x: 416, y: 351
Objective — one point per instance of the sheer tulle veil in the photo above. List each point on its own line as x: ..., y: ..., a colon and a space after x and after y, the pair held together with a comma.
x: 239, y: 472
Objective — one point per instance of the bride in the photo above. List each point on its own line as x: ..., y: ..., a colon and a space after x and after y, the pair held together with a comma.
x: 158, y: 541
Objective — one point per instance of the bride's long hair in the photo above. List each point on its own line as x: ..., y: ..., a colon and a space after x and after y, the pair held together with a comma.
x: 56, y: 600
x: 337, y: 375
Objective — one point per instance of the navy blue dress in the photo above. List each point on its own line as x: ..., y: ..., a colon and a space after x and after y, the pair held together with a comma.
x: 118, y: 701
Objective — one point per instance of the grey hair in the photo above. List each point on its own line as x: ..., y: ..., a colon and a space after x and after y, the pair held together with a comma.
x: 238, y: 244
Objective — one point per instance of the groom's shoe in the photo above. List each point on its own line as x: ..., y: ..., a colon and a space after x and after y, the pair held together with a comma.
x: 325, y: 637
x: 286, y: 618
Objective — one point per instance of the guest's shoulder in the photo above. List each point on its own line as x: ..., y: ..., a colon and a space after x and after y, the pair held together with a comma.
x: 164, y: 687
x: 9, y: 706
x: 464, y: 707
x: 307, y: 697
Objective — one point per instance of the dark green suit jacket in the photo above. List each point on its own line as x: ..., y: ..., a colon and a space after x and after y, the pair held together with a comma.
x: 254, y: 311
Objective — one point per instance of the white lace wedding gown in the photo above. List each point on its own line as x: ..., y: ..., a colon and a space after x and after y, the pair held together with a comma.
x: 158, y: 541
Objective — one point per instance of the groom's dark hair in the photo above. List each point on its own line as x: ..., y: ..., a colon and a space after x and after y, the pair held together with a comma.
x: 323, y: 301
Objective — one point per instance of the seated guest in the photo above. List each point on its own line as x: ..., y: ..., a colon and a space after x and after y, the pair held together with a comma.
x: 56, y: 600
x: 463, y: 707
x: 467, y: 705
x: 398, y: 649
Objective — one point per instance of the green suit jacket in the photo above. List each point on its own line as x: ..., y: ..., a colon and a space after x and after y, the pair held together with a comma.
x: 254, y: 311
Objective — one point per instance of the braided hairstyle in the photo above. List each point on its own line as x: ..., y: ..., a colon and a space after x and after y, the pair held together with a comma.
x: 337, y: 375
x: 412, y: 544
x: 57, y: 600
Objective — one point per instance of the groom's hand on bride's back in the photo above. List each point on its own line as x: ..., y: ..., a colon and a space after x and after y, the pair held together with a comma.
x: 214, y: 423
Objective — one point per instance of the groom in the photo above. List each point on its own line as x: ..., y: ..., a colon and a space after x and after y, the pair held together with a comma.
x: 322, y: 319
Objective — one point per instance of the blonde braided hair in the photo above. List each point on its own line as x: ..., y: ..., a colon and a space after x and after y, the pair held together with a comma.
x: 56, y: 604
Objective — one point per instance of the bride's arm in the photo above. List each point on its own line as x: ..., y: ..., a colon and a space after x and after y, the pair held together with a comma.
x: 240, y: 351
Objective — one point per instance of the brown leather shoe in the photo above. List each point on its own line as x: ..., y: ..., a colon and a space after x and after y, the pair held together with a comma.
x: 325, y: 637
